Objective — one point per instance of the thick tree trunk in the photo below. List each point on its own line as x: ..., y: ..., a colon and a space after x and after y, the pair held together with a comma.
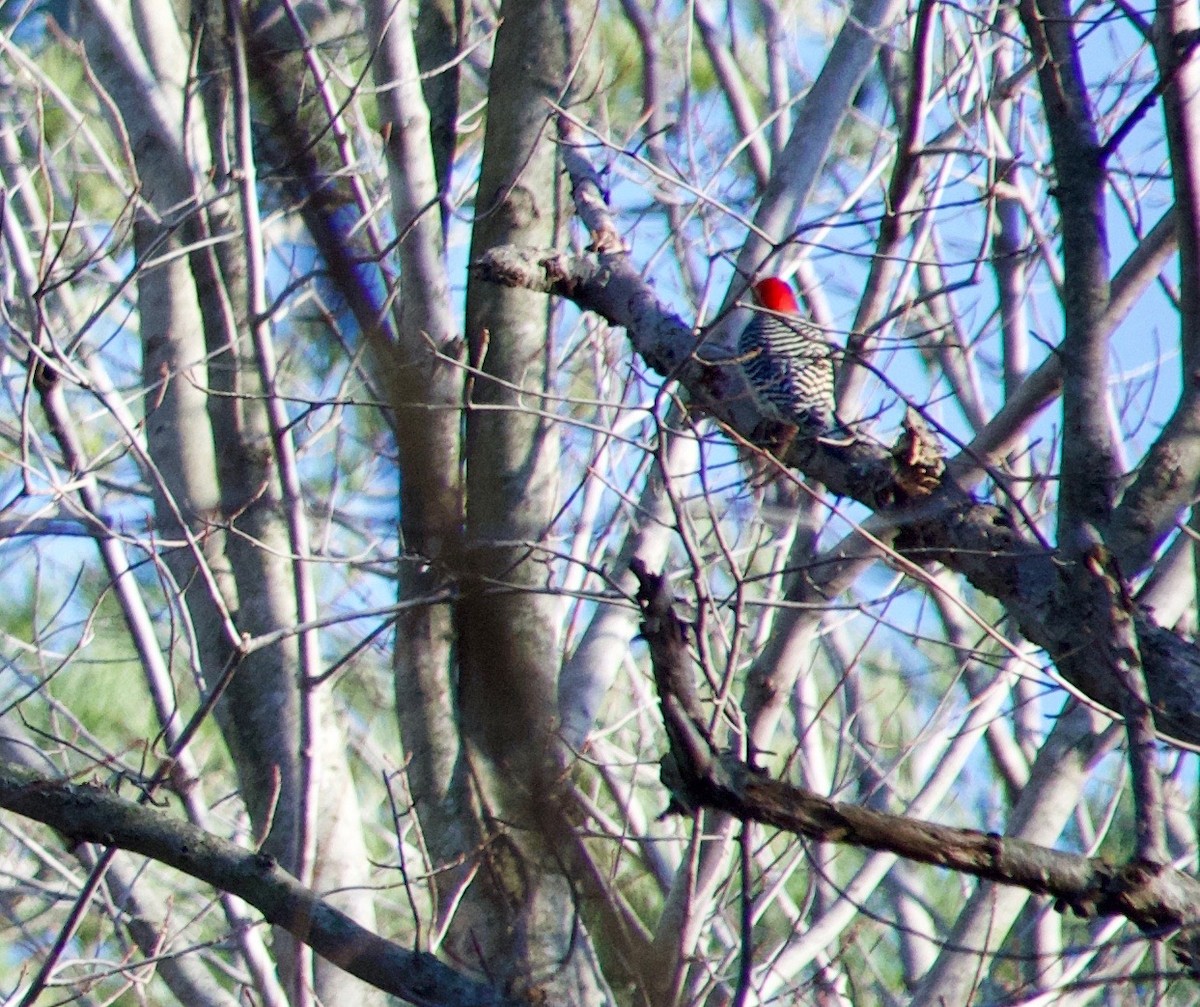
x: 519, y: 919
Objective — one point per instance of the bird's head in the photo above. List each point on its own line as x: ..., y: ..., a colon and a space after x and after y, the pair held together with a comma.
x: 775, y: 294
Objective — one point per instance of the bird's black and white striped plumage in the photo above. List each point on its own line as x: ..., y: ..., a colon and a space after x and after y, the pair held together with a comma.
x: 787, y: 362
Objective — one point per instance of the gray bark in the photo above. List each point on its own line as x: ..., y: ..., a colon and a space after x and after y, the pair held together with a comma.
x: 425, y: 395
x: 519, y: 915
x: 216, y: 459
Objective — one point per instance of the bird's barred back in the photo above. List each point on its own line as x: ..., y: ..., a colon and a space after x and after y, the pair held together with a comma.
x: 789, y: 366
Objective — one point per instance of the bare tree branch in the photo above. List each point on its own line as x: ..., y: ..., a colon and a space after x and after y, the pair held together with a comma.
x: 1159, y: 900
x: 979, y: 540
x: 89, y: 813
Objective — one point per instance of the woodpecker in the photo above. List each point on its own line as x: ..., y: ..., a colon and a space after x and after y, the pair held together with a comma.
x: 787, y: 362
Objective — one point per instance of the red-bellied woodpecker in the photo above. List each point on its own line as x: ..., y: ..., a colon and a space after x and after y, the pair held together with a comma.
x: 787, y: 362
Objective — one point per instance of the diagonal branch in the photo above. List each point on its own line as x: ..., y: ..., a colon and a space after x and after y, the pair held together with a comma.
x: 825, y: 107
x: 1166, y: 482
x: 1158, y: 900
x: 979, y: 540
x: 89, y: 813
